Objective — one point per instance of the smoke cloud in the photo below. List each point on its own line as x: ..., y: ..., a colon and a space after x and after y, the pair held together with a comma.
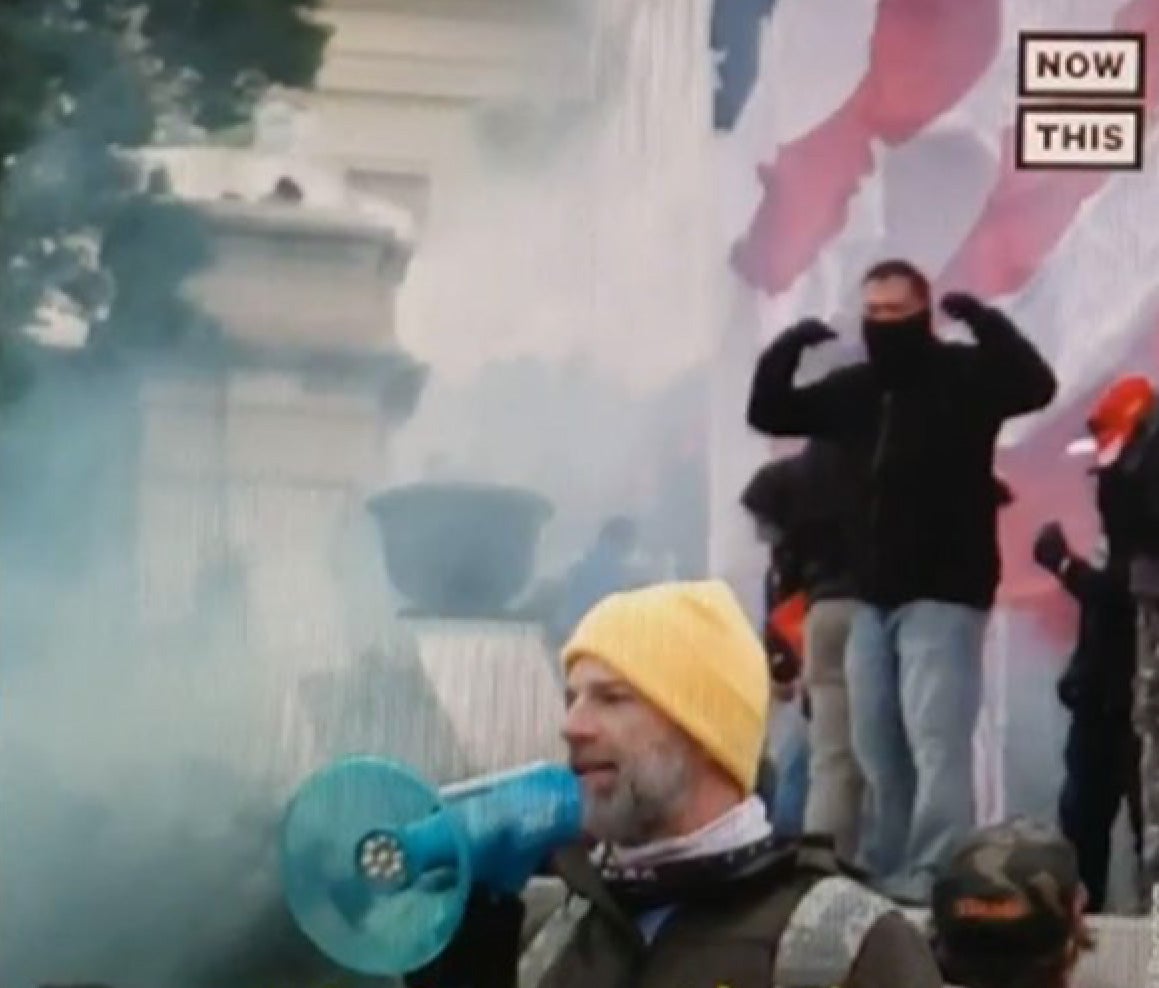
x: 191, y: 622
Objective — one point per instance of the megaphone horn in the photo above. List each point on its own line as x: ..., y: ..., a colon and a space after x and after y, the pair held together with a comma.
x: 377, y: 866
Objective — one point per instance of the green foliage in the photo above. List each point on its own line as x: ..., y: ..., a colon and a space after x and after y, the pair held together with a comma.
x: 146, y: 309
x: 24, y: 84
x: 231, y: 48
x: 82, y: 83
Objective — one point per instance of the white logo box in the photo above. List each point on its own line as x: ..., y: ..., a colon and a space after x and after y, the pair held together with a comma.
x: 1080, y: 137
x: 1071, y: 65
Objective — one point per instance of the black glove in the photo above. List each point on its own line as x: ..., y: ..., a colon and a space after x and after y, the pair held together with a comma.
x: 1051, y: 548
x: 809, y: 333
x: 485, y: 950
x: 960, y: 306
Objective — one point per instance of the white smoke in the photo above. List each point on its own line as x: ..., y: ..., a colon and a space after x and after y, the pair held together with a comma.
x: 148, y: 742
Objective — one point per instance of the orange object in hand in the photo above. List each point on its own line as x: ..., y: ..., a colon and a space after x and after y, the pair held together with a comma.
x: 786, y: 626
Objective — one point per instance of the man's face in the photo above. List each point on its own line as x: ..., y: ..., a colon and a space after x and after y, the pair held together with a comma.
x: 634, y: 763
x: 890, y: 299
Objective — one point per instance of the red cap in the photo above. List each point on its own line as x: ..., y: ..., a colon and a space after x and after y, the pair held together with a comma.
x: 1117, y: 416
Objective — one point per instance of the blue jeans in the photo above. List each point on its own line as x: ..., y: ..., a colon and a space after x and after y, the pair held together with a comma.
x: 915, y: 689
x: 792, y: 759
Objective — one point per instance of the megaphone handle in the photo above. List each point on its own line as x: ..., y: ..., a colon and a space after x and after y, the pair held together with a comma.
x: 485, y: 949
x: 431, y: 844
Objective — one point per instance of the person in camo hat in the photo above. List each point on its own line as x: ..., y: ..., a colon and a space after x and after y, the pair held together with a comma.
x: 1008, y: 909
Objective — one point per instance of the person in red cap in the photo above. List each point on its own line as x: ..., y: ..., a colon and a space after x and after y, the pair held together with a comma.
x: 1117, y: 419
x: 1101, y: 755
x: 1123, y: 435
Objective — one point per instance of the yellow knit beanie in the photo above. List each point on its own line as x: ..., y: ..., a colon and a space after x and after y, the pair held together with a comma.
x: 689, y: 649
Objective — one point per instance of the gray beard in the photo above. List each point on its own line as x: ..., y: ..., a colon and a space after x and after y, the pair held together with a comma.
x: 647, y: 794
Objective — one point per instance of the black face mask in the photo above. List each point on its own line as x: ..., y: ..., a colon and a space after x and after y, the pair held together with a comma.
x: 899, y: 348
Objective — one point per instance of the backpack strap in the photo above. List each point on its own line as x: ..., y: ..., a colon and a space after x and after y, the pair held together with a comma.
x: 548, y: 945
x: 585, y: 891
x: 777, y: 917
x: 825, y: 933
x: 817, y: 853
x: 582, y: 878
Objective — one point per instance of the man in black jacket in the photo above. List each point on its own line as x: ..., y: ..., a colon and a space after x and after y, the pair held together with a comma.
x: 927, y: 414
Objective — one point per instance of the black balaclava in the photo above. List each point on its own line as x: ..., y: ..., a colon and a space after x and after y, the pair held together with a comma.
x: 899, y: 348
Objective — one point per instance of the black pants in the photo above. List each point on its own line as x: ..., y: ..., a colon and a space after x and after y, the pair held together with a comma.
x: 1102, y: 769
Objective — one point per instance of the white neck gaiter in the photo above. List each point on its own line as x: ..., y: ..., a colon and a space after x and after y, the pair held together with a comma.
x: 742, y: 825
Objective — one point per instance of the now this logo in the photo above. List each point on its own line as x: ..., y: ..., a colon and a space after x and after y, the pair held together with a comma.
x: 1081, y: 101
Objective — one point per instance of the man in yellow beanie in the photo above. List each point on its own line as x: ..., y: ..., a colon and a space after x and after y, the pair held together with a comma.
x: 667, y: 707
x: 667, y: 703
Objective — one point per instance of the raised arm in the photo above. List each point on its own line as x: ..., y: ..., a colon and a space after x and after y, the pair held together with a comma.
x: 777, y: 407
x: 1013, y: 375
x: 1084, y: 582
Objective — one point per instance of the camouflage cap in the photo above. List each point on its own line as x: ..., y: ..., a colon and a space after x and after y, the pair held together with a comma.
x: 1009, y: 889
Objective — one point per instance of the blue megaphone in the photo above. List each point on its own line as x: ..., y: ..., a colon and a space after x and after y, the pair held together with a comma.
x: 377, y: 865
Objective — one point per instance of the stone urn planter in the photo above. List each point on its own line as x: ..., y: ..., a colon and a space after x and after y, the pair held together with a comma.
x: 460, y: 550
